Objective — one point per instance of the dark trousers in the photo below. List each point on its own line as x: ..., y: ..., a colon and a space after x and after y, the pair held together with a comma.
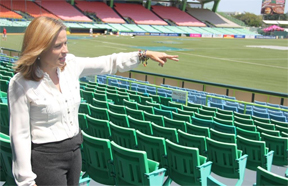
x: 58, y: 163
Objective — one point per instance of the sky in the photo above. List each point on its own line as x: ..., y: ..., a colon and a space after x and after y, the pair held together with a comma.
x: 252, y: 6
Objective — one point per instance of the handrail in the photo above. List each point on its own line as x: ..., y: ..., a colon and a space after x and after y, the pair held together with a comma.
x: 147, y: 84
x: 245, y: 103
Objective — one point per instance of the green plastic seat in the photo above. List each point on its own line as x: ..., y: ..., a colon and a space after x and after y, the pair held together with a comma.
x: 145, y: 98
x: 223, y: 121
x: 182, y: 117
x: 130, y: 104
x: 91, y: 89
x: 156, y: 98
x: 202, y: 122
x: 118, y: 119
x: 198, y: 130
x: 163, y: 113
x: 194, y: 105
x: 227, y: 160
x: 207, y: 112
x: 253, y: 135
x: 4, y: 118
x: 99, y: 113
x: 187, y: 167
x: 167, y: 133
x: 155, y: 105
x: 122, y: 98
x: 98, y: 128
x: 186, y: 112
x: 264, y: 125
x: 131, y: 92
x: 188, y: 108
x: 148, y: 109
x: 172, y: 123
x: 4, y: 85
x: 169, y: 108
x: 258, y: 153
x: 284, y: 134
x: 224, y: 128
x: 156, y: 119
x: 113, y: 96
x: 123, y: 136
x: 207, y: 108
x: 84, y: 108
x: 281, y: 128
x: 222, y: 137
x: 100, y: 96
x: 264, y: 177
x: 143, y: 126
x: 204, y: 117
x: 135, y: 97
x: 280, y: 147
x: 82, y: 122
x: 134, y: 113
x: 100, y: 104
x: 244, y: 120
x: 99, y: 159
x: 249, y: 127
x: 267, y: 131
x: 100, y: 91
x: 280, y: 123
x: 155, y: 147
x: 165, y: 100
x: 142, y: 171
x: 191, y: 140
x: 227, y: 112
x: 174, y: 104
x: 264, y: 120
x: 101, y: 85
x: 224, y: 116
x: 88, y: 96
x: 120, y: 109
x: 6, y: 160
x: 245, y: 116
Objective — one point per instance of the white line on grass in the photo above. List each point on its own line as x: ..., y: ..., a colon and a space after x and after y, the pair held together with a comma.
x: 114, y: 47
x: 225, y: 59
x: 266, y: 59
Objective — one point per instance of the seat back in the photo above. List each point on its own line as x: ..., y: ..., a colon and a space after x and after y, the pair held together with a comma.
x: 82, y: 121
x: 155, y: 147
x: 143, y: 126
x: 243, y: 120
x: 99, y: 113
x: 224, y: 128
x: 191, y: 140
x: 118, y: 119
x: 136, y: 162
x: 256, y: 151
x: 125, y: 137
x: 120, y: 109
x: 183, y: 164
x: 4, y: 118
x: 174, y: 104
x: 198, y: 130
x: 88, y: 96
x: 167, y: 133
x: 223, y: 121
x: 98, y: 128
x: 267, y: 131
x: 224, y: 156
x: 158, y: 120
x: 264, y: 177
x: 223, y: 137
x: 202, y: 122
x: 84, y: 108
x: 100, y: 104
x: 172, y: 123
x: 182, y: 117
x: 169, y: 108
x: 245, y: 116
x: 249, y: 127
x: 161, y: 112
x: 99, y: 159
x: 130, y: 104
x: 137, y: 114
x: 280, y: 147
x: 253, y: 135
x: 6, y: 160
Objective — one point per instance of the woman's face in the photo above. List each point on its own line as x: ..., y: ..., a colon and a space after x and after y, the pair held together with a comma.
x: 55, y: 56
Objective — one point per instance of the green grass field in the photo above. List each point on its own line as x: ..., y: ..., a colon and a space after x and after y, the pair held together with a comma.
x: 225, y: 61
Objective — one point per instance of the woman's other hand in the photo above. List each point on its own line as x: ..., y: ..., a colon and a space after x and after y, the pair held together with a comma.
x: 161, y: 57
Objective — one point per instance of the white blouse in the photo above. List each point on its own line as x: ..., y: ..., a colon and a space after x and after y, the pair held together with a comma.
x: 40, y: 113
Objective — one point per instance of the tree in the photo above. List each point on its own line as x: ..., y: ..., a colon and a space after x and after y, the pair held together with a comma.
x: 250, y: 19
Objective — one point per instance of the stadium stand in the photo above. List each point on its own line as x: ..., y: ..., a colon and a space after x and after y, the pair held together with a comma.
x: 101, y: 10
x: 64, y: 10
x: 27, y: 7
x: 175, y: 15
x: 6, y: 13
x: 138, y: 13
x: 212, y: 18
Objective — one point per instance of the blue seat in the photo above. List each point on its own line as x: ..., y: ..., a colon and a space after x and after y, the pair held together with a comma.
x: 200, y: 100
x: 260, y: 114
x: 123, y: 86
x: 232, y: 108
x: 273, y: 105
x: 163, y: 94
x: 192, y: 98
x: 248, y: 111
x: 275, y: 112
x: 258, y: 109
x: 231, y: 103
x: 278, y: 118
x: 217, y: 105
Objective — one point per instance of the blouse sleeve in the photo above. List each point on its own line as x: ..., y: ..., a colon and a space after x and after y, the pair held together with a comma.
x: 106, y: 64
x: 20, y: 135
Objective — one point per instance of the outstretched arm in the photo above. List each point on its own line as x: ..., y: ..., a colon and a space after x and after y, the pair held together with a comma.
x: 161, y: 57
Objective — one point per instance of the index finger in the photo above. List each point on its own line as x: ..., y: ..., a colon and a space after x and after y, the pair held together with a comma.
x: 173, y: 57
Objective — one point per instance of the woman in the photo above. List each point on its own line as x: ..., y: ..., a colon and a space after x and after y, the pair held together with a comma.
x: 44, y: 99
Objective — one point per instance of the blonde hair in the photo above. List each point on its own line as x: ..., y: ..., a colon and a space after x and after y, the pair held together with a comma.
x: 38, y: 38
